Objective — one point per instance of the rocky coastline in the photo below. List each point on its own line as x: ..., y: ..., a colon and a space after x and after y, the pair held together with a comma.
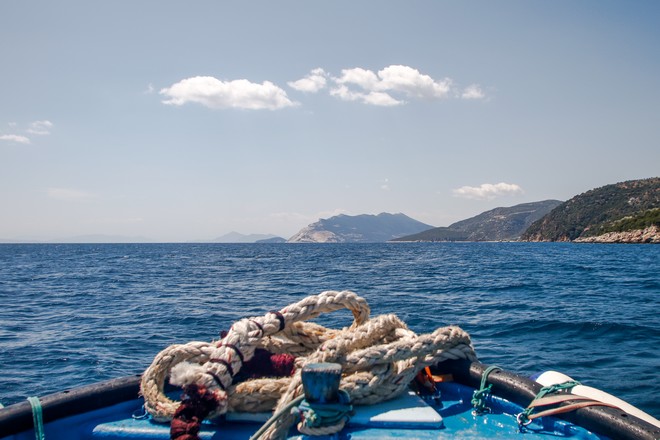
x: 650, y: 234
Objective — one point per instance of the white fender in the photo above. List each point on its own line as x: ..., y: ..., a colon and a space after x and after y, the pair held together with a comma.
x: 554, y: 378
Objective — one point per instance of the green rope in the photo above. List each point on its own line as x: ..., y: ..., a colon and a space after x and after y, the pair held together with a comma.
x: 479, y: 396
x: 37, y: 418
x: 315, y: 415
x: 523, y: 417
x: 276, y: 416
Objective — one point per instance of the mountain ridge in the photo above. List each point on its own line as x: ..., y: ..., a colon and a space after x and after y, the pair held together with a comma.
x: 498, y: 224
x: 620, y: 207
x: 363, y: 228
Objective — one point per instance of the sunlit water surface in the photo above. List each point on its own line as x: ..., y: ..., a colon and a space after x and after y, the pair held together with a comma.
x: 77, y: 314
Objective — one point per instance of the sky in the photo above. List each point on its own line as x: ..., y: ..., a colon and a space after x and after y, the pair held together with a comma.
x: 181, y: 121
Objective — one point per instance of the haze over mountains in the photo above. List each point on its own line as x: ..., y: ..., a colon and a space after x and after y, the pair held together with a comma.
x: 87, y: 239
x: 623, y: 212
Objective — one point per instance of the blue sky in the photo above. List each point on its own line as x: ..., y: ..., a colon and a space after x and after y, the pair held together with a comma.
x: 187, y: 120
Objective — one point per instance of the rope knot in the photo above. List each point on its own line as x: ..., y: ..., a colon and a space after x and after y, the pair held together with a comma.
x: 480, y: 395
x: 324, y: 418
x: 526, y: 417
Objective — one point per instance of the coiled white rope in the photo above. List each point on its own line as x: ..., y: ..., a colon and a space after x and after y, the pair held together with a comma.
x: 379, y: 358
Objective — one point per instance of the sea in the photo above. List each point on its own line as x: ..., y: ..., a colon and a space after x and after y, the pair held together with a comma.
x: 75, y: 314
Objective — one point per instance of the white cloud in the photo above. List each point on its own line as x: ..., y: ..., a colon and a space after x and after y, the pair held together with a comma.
x: 381, y: 99
x: 473, y: 92
x: 14, y: 138
x: 312, y: 83
x: 40, y: 127
x: 411, y: 82
x: 69, y: 195
x: 149, y: 90
x: 378, y: 88
x: 214, y: 93
x: 385, y: 186
x: 375, y: 98
x: 343, y: 93
x: 358, y: 76
x: 488, y: 191
x: 391, y: 86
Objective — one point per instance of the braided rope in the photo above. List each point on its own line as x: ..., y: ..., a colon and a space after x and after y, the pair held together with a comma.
x: 379, y: 357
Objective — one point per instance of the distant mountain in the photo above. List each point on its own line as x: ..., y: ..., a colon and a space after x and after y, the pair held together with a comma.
x: 272, y: 240
x: 359, y: 229
x: 236, y: 237
x: 621, y: 207
x: 499, y: 224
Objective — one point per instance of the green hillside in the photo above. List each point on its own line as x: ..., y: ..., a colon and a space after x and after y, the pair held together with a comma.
x: 631, y: 223
x: 624, y: 206
x: 499, y: 224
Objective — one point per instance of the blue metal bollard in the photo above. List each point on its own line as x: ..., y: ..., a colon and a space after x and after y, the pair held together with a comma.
x: 321, y: 382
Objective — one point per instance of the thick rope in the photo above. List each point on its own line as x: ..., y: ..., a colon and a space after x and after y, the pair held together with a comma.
x: 379, y: 358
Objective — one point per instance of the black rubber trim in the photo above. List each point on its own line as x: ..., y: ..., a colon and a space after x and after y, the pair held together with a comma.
x: 609, y: 422
x: 18, y: 417
x: 518, y: 389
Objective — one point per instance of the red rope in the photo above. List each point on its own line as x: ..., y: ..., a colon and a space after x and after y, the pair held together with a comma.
x: 282, y: 365
x: 197, y: 403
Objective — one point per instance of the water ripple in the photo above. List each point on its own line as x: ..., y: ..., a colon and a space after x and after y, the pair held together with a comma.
x: 76, y: 314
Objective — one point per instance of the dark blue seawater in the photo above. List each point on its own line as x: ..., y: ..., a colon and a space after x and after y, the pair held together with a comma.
x: 76, y: 314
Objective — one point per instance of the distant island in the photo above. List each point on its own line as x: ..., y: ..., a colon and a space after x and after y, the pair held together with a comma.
x: 363, y: 228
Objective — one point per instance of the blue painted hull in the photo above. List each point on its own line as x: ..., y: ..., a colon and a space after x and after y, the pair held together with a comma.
x: 112, y: 410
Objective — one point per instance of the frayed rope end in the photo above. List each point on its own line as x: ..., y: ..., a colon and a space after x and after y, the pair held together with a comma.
x: 185, y: 373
